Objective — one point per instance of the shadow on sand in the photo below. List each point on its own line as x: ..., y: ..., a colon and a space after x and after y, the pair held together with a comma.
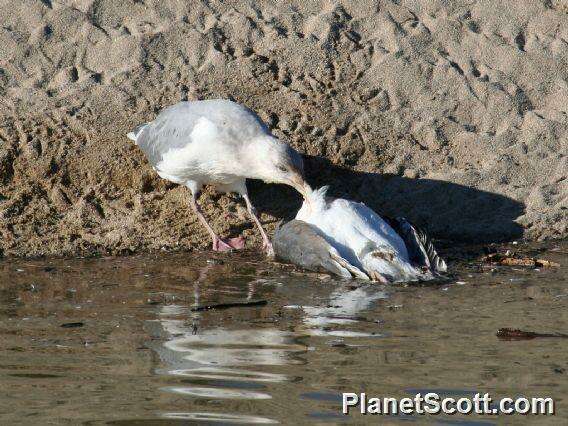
x: 447, y: 210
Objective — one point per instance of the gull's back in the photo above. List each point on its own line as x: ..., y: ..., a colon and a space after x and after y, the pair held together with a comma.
x: 203, y: 123
x: 303, y: 244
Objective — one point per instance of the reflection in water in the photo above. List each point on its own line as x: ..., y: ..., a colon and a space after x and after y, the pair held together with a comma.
x: 219, y: 417
x: 221, y: 362
x: 219, y: 358
x: 342, y: 308
x: 222, y: 347
x: 207, y: 392
x: 142, y: 356
x: 233, y: 374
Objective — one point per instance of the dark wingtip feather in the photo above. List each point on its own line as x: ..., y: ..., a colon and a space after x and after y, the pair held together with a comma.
x: 419, y: 245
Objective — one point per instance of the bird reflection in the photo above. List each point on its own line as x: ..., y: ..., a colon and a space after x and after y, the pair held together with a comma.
x: 221, y: 357
x: 237, y: 359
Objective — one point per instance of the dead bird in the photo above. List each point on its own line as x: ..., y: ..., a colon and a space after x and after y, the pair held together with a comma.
x: 349, y: 239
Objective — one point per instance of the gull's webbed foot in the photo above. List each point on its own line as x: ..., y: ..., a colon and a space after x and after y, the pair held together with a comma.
x: 220, y: 245
x: 231, y: 244
x: 237, y: 243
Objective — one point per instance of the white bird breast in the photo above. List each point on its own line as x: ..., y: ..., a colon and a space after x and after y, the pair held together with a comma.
x: 350, y: 227
x: 351, y: 224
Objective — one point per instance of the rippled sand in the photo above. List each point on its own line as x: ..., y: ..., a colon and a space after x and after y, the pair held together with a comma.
x: 453, y: 114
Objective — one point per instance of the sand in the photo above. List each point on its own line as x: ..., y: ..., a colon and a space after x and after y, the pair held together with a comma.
x: 453, y: 114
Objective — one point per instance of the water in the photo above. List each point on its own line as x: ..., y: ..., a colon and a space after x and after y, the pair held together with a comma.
x: 115, y: 340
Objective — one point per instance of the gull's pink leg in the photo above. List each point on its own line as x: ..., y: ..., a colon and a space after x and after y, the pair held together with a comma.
x: 218, y: 243
x: 266, y: 244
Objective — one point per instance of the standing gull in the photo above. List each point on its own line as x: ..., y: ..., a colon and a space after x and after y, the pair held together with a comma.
x: 221, y: 143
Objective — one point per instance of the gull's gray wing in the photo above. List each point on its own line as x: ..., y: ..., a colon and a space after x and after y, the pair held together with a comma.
x: 173, y: 127
x: 302, y: 244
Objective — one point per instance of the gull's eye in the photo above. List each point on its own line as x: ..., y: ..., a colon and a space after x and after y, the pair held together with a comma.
x: 282, y: 169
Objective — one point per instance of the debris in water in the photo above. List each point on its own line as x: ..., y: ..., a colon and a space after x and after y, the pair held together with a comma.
x: 516, y: 334
x: 511, y: 259
x: 393, y: 307
x: 229, y: 305
x: 72, y: 324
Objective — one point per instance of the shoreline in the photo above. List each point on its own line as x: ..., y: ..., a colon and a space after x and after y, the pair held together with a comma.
x: 454, y: 116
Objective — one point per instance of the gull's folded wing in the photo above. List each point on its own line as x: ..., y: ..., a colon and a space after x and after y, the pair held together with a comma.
x: 302, y: 244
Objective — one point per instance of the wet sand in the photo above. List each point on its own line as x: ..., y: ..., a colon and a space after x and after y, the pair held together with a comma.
x: 119, y: 341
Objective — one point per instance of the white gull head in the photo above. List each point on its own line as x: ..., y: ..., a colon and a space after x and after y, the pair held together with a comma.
x: 277, y: 162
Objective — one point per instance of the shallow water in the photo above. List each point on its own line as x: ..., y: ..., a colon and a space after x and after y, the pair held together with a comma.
x: 115, y: 340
